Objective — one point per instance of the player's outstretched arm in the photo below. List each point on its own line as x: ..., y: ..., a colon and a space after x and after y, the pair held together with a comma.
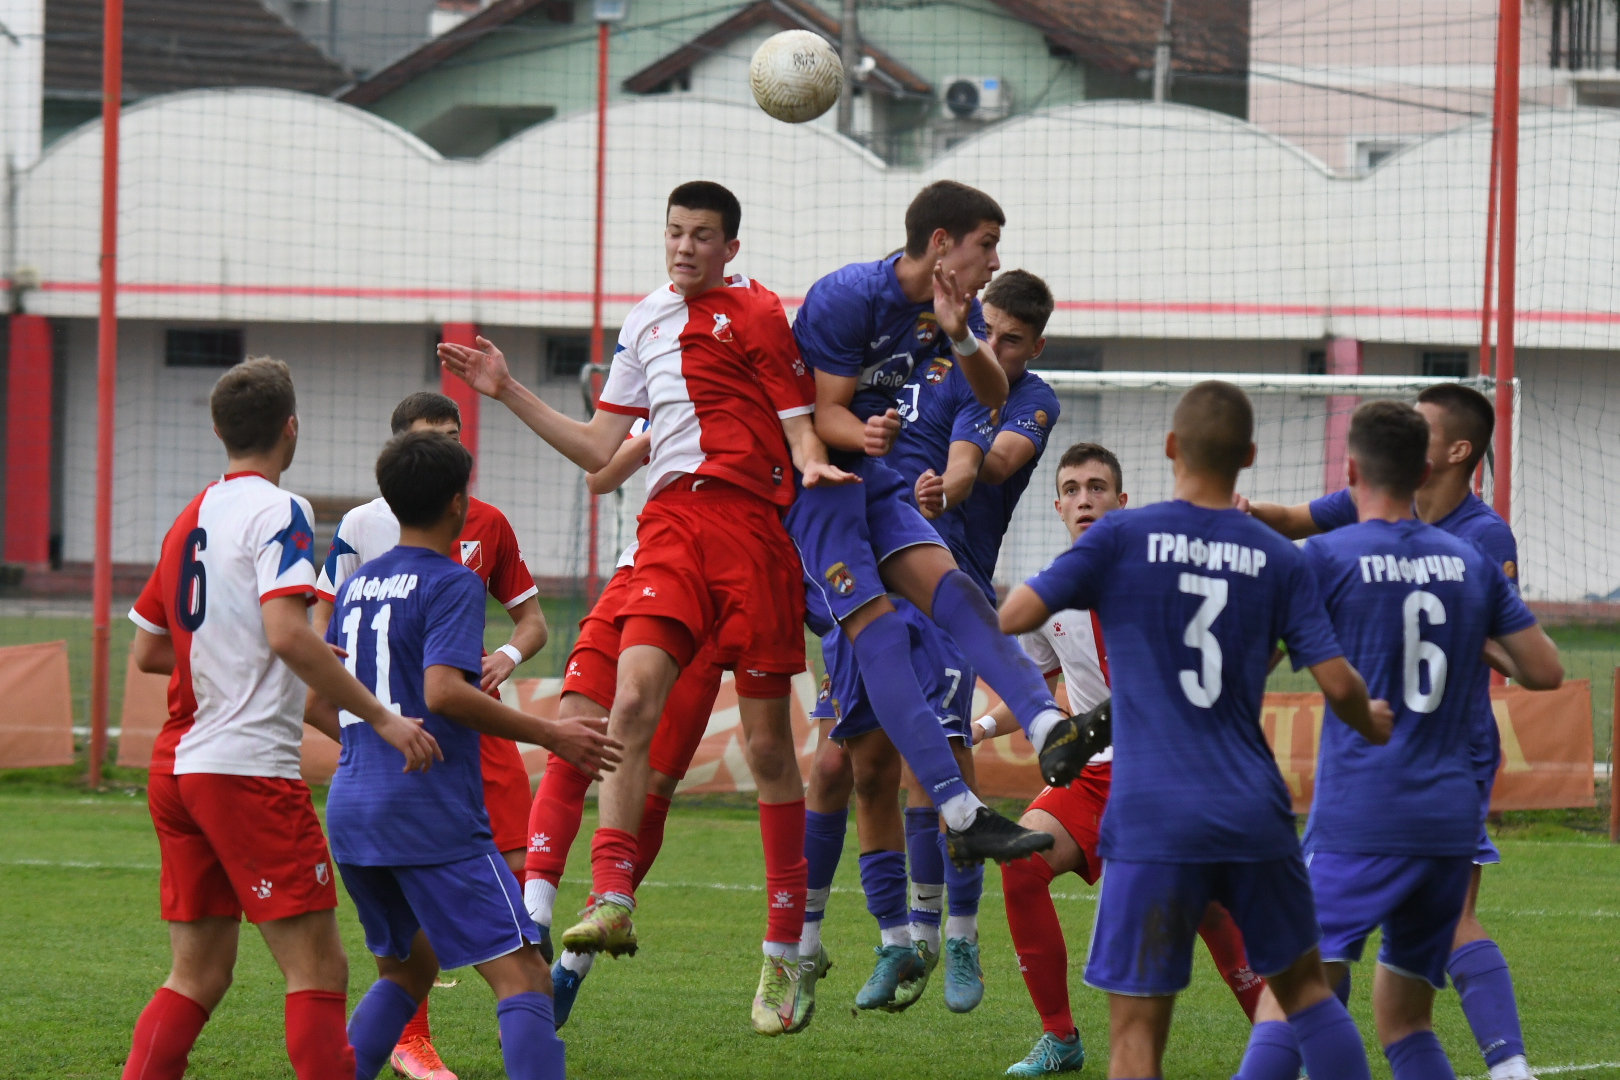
x: 153, y: 653
x: 322, y: 715
x: 582, y: 742
x: 838, y: 427
x: 286, y: 628
x: 626, y: 460
x: 809, y: 454
x: 1294, y: 522
x: 1528, y: 657
x: 984, y: 373
x: 1346, y: 692
x: 590, y: 445
x: 1009, y: 453
x: 1023, y: 611
x: 529, y: 633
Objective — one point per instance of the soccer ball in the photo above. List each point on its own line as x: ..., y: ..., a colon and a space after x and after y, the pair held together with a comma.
x: 796, y: 76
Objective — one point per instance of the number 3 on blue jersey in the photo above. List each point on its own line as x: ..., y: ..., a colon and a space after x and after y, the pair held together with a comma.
x: 1203, y: 693
x: 1419, y: 652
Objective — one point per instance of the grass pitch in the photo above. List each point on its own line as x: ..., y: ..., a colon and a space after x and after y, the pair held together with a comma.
x: 84, y: 949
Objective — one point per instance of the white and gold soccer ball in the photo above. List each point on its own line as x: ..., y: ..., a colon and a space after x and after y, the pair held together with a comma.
x: 796, y: 76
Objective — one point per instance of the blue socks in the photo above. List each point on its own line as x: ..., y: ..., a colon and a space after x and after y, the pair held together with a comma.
x: 1273, y: 1053
x: 927, y: 871
x: 884, y: 649
x: 1419, y: 1057
x: 961, y: 611
x: 963, y: 888
x: 883, y: 879
x: 376, y: 1024
x: 529, y: 1044
x: 823, y: 847
x: 1329, y: 1043
x: 1481, y: 976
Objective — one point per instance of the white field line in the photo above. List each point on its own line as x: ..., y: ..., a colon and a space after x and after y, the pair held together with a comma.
x: 62, y: 864
x: 1553, y: 1070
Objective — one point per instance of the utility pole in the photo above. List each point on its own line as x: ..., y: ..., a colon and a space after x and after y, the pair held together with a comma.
x: 1161, y: 58
x: 849, y: 51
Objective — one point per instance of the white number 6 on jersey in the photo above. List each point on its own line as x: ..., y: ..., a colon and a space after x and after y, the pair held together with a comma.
x: 1420, y: 653
x: 1203, y: 692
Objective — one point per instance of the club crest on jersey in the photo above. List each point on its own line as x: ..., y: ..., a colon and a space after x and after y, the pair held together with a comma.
x: 841, y: 580
x: 937, y: 370
x: 322, y: 876
x: 825, y: 693
x: 472, y: 554
x: 722, y: 327
x: 927, y: 328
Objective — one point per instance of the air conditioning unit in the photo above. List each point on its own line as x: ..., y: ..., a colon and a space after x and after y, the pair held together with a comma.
x: 975, y: 97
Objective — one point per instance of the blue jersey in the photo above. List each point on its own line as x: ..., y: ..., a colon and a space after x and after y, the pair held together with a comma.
x: 400, y: 614
x: 1412, y: 606
x: 1474, y: 521
x: 857, y: 322
x: 1031, y: 411
x: 1192, y: 603
x: 937, y: 408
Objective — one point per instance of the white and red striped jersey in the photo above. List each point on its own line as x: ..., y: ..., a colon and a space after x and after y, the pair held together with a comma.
x: 1071, y: 642
x: 234, y: 707
x: 715, y: 375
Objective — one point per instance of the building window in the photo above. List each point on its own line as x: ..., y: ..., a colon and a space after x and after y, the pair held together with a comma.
x: 208, y: 348
x: 1061, y: 355
x: 1316, y: 361
x: 567, y: 353
x: 1447, y: 365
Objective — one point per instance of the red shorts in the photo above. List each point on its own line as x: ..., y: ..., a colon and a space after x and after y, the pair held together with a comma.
x: 506, y: 791
x: 593, y: 665
x: 239, y: 844
x: 718, y: 561
x: 1079, y: 809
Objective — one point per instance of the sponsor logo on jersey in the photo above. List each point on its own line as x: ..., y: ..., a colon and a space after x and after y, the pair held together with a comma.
x: 321, y: 874
x: 798, y: 365
x: 878, y: 344
x: 776, y: 475
x: 927, y: 328
x: 1209, y: 554
x: 472, y: 554
x: 937, y: 370
x: 722, y: 327
x: 648, y: 590
x: 1041, y: 417
x: 1058, y: 631
x: 1511, y: 569
x: 841, y: 580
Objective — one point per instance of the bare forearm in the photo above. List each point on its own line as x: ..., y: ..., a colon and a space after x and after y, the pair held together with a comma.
x: 154, y: 653
x: 529, y: 631
x: 578, y: 442
x: 626, y: 460
x: 1009, y: 453
x: 985, y: 377
x: 312, y: 660
x: 837, y: 427
x: 804, y: 445
x: 321, y: 715
x: 461, y: 701
x: 1023, y: 611
x: 1294, y: 522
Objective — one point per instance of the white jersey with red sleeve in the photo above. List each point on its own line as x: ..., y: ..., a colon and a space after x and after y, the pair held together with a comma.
x: 715, y: 375
x: 1071, y: 642
x: 488, y: 547
x: 234, y: 707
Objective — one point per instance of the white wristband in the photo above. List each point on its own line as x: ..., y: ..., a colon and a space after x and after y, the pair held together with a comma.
x: 966, y: 347
x: 989, y: 724
x: 517, y: 657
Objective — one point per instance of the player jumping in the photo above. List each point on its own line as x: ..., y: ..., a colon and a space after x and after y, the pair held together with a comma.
x: 489, y: 548
x: 1461, y: 421
x: 415, y: 851
x: 1393, y: 831
x: 1193, y: 597
x: 865, y: 329
x: 1090, y: 483
x: 710, y: 362
x: 225, y: 614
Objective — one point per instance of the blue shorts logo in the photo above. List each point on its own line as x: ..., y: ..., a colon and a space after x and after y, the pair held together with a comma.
x: 841, y: 580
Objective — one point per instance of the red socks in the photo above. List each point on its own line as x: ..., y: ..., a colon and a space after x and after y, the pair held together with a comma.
x: 317, y: 1041
x: 164, y: 1035
x: 781, y: 826
x: 1043, y: 955
x: 651, y: 838
x: 417, y: 1026
x: 554, y: 819
x: 1225, y: 944
x: 613, y: 862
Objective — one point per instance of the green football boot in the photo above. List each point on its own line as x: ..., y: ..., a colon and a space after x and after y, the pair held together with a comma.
x: 777, y: 1010
x: 910, y: 991
x: 606, y: 927
x: 811, y: 972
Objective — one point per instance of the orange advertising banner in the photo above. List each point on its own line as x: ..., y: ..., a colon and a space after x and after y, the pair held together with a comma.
x: 36, y: 726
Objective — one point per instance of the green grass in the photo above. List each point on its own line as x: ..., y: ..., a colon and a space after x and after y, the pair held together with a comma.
x: 84, y: 949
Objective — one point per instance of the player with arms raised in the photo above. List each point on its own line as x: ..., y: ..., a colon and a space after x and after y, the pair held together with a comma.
x: 1461, y: 421
x: 710, y: 362
x: 1193, y: 597
x: 489, y: 548
x: 1393, y: 832
x: 225, y: 614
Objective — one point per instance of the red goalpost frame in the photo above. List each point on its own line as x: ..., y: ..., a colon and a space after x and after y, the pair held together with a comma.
x: 1507, y: 107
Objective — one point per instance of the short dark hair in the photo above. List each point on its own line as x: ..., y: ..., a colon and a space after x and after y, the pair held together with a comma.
x: 1390, y: 442
x: 1023, y: 296
x: 1214, y: 425
x: 250, y: 404
x: 419, y: 473
x: 708, y: 195
x: 1469, y: 415
x: 1082, y: 453
x: 945, y: 204
x: 427, y: 405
